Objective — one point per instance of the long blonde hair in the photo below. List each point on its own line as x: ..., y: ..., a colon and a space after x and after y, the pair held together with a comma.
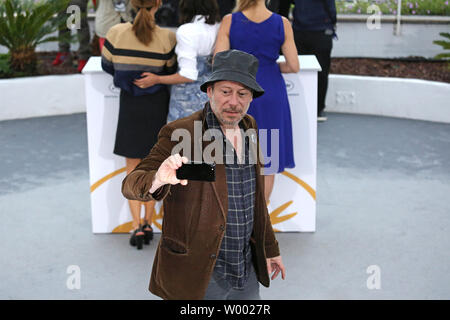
x: 242, y: 5
x: 144, y: 23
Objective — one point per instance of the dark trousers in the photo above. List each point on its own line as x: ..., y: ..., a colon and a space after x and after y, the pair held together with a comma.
x: 320, y: 45
x: 220, y: 290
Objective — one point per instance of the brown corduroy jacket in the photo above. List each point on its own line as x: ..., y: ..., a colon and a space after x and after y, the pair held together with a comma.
x: 195, y: 219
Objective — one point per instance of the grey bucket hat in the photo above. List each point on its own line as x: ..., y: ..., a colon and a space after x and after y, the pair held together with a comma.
x: 235, y: 65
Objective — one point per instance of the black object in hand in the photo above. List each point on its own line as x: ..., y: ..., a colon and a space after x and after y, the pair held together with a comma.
x: 197, y: 171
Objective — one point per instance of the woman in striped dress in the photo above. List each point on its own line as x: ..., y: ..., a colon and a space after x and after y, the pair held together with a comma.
x: 130, y: 51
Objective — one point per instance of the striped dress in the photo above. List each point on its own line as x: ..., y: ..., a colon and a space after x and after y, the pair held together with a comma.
x: 142, y: 112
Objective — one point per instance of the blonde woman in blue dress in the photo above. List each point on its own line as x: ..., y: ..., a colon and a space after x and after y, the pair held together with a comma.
x: 254, y: 29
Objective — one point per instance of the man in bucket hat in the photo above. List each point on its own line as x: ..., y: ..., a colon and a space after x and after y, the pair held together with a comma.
x: 217, y: 241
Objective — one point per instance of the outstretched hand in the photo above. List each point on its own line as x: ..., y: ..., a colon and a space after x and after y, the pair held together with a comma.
x: 167, y: 172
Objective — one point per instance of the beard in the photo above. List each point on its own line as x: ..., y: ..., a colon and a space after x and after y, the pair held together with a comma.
x: 240, y: 113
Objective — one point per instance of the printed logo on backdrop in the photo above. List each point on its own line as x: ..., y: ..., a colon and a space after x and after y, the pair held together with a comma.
x: 289, y: 85
x: 114, y: 89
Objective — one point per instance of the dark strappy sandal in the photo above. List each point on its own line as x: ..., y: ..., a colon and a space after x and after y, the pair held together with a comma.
x: 148, y: 233
x: 137, y: 240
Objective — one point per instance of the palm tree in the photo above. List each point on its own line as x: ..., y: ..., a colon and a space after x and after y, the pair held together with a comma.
x: 24, y: 24
x: 446, y: 46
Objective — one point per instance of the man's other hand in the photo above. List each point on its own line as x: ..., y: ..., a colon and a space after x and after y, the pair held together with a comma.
x: 275, y: 265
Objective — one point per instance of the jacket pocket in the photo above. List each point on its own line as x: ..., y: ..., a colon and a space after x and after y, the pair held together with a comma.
x: 173, y: 246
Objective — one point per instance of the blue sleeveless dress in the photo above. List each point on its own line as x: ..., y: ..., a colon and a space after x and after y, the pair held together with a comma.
x: 271, y: 110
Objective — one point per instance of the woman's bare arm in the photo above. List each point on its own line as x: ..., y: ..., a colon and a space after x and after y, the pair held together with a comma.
x: 289, y: 50
x: 223, y: 36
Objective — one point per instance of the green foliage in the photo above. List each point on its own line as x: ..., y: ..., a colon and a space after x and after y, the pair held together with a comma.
x: 5, y: 70
x: 27, y: 23
x: 445, y: 45
x: 409, y: 7
x: 24, y: 24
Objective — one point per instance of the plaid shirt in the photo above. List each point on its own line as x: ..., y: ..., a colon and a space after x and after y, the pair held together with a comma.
x: 233, y: 261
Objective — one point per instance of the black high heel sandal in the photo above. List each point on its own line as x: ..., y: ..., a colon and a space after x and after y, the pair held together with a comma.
x: 148, y: 234
x: 137, y: 240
